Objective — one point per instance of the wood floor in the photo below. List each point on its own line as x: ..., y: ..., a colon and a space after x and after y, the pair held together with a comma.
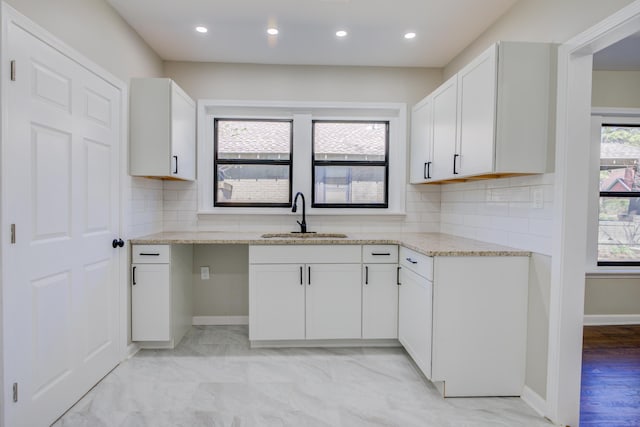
x: 610, y: 376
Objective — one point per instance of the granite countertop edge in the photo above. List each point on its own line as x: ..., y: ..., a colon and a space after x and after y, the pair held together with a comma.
x: 429, y: 244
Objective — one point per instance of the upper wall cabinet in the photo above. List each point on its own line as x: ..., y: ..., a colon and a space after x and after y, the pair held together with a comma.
x: 162, y: 130
x: 493, y: 118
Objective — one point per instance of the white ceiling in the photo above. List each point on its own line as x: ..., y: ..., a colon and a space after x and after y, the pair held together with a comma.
x: 237, y: 29
x: 621, y: 56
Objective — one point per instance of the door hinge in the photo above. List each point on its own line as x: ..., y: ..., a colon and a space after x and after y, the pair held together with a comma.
x: 13, y: 234
x: 15, y: 392
x: 13, y: 70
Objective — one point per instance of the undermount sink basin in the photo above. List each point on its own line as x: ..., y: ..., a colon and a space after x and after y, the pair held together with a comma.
x: 298, y: 235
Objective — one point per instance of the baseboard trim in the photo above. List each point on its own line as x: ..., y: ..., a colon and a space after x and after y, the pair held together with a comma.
x: 611, y: 319
x: 132, y: 349
x: 533, y: 399
x: 219, y: 320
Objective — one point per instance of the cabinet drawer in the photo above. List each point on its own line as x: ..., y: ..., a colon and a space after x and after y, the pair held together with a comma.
x: 305, y: 254
x: 416, y: 262
x: 150, y: 254
x: 380, y: 254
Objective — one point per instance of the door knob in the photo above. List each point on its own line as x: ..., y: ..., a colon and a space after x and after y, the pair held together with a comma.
x: 117, y: 243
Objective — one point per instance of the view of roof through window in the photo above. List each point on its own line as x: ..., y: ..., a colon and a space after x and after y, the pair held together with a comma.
x: 243, y: 139
x: 349, y: 140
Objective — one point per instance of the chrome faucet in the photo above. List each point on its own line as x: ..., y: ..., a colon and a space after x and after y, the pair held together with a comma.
x: 294, y: 208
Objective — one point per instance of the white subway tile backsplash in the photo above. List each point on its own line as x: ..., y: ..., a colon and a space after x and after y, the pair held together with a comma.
x: 500, y: 211
x: 541, y: 227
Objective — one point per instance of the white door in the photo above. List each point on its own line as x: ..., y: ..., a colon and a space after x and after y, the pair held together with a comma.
x: 150, y: 302
x: 276, y: 302
x: 380, y: 301
x: 334, y: 301
x: 60, y: 172
x: 421, y: 143
x: 415, y: 320
x: 477, y: 88
x: 445, y: 112
x: 183, y: 134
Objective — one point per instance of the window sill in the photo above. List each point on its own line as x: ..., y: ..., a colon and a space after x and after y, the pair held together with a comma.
x: 310, y: 212
x: 618, y: 271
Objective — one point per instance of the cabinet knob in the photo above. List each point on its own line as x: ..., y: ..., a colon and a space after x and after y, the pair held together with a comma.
x: 117, y: 243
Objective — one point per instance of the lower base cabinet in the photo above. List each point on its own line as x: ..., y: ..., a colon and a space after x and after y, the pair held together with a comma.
x: 333, y: 302
x: 277, y: 302
x: 415, y: 318
x: 480, y: 325
x: 161, y: 294
x: 316, y: 298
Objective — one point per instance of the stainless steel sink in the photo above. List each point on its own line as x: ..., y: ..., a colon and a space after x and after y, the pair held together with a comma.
x: 298, y: 235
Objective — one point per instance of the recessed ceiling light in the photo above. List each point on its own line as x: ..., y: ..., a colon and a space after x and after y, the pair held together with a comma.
x: 273, y: 31
x: 341, y: 33
x: 201, y: 29
x: 410, y: 36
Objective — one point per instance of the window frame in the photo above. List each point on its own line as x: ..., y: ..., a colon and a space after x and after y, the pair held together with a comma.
x: 601, y: 116
x: 272, y: 162
x: 384, y: 163
x: 302, y: 112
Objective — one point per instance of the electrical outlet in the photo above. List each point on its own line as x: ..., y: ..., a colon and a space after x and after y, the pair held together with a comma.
x: 204, y: 273
x: 537, y: 196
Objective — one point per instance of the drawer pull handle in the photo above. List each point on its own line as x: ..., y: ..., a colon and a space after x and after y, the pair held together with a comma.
x: 149, y: 254
x: 380, y: 253
x: 412, y: 261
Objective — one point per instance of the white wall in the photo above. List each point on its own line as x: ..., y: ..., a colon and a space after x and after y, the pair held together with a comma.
x: 539, y: 21
x: 93, y: 28
x: 619, y: 89
x: 301, y: 83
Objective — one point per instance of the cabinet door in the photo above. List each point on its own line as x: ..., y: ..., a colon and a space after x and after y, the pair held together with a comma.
x: 334, y: 301
x: 380, y: 301
x: 421, y: 142
x: 444, y: 129
x: 415, y: 318
x: 477, y: 88
x: 183, y: 135
x: 276, y: 302
x: 150, y: 302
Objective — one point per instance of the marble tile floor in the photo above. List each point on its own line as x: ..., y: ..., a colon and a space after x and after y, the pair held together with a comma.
x: 213, y: 378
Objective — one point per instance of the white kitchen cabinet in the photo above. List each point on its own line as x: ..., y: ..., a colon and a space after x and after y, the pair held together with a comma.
x: 161, y: 294
x: 421, y: 141
x: 162, y: 130
x: 304, y: 292
x: 277, y: 302
x: 333, y: 301
x: 380, y: 292
x: 480, y: 325
x: 416, y: 308
x: 463, y: 321
x: 444, y: 130
x: 495, y: 116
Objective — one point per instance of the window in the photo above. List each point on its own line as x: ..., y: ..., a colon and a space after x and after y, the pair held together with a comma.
x: 619, y: 203
x: 350, y: 164
x: 253, y: 162
x: 347, y: 158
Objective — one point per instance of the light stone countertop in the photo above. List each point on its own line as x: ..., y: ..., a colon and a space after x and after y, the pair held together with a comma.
x: 430, y: 244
